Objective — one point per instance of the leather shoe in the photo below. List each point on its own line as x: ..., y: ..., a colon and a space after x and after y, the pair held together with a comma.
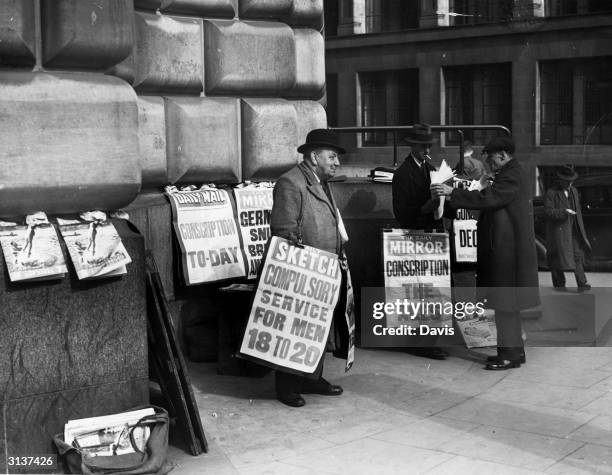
x: 493, y: 359
x: 584, y: 288
x: 560, y: 288
x: 291, y: 399
x: 322, y: 387
x: 501, y: 364
x: 432, y: 352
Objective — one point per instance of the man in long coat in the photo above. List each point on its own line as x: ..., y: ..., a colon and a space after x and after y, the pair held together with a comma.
x: 305, y: 212
x: 507, y: 260
x: 414, y: 209
x: 566, y: 239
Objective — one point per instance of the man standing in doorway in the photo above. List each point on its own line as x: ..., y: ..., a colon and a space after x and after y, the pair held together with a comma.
x: 566, y: 239
x: 507, y: 261
x: 305, y: 212
x: 414, y: 208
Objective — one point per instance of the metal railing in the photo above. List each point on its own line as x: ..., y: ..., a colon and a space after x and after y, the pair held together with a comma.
x: 459, y: 129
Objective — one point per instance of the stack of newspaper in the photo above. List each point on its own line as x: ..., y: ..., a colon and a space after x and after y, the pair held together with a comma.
x: 382, y: 174
x: 115, y: 434
x: 441, y: 175
x: 32, y: 252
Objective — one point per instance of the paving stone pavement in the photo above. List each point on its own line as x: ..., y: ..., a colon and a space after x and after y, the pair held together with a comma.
x: 404, y: 414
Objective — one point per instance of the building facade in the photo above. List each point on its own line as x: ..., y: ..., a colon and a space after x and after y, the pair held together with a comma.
x: 541, y: 68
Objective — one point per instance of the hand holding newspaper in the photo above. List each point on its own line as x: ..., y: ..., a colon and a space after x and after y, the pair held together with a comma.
x: 442, y: 175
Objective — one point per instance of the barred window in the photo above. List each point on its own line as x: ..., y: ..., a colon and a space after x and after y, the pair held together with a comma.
x: 390, y: 15
x: 478, y: 95
x: 576, y: 102
x: 388, y: 98
x: 469, y: 12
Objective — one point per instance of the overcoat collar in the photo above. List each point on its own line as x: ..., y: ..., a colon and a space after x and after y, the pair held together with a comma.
x: 315, y: 187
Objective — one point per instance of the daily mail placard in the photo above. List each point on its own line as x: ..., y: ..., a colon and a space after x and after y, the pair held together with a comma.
x: 254, y: 208
x: 293, y: 306
x: 417, y: 277
x: 206, y: 229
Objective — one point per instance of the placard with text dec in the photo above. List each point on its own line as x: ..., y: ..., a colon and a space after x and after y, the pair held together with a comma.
x: 254, y: 209
x: 417, y: 277
x: 293, y: 306
x: 465, y: 226
x: 206, y: 230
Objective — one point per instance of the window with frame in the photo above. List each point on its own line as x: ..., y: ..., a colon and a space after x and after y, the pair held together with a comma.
x: 330, y: 17
x: 576, y: 101
x: 388, y: 98
x: 477, y: 95
x: 390, y: 15
x: 575, y: 7
x: 470, y: 12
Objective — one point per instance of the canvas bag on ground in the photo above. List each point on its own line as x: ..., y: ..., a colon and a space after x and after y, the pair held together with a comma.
x: 150, y: 461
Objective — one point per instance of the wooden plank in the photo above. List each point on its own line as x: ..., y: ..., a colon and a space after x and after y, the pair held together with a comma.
x: 168, y: 372
x: 182, y: 371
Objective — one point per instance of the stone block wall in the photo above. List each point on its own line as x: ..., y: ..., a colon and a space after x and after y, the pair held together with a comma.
x: 101, y: 105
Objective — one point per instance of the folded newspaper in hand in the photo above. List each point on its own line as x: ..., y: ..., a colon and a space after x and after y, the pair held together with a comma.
x: 94, y: 246
x: 442, y: 175
x: 115, y: 434
x: 32, y: 252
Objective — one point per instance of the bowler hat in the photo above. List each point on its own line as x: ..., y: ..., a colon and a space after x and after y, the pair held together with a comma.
x: 567, y: 172
x: 321, y: 138
x: 499, y: 144
x: 420, y: 133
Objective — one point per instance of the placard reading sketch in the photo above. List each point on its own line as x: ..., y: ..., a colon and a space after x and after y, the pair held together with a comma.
x: 417, y: 277
x: 293, y: 306
x: 254, y: 207
x: 206, y: 230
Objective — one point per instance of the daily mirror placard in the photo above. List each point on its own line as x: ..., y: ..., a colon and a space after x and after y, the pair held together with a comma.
x: 417, y: 278
x: 254, y: 208
x: 206, y: 230
x: 293, y: 306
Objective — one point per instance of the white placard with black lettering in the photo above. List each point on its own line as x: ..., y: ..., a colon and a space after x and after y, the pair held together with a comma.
x: 208, y: 236
x: 293, y: 306
x: 417, y: 274
x: 465, y: 240
x: 254, y: 208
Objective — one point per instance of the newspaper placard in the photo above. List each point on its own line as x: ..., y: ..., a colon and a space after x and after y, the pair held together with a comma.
x: 465, y: 226
x: 32, y: 253
x: 293, y: 306
x: 465, y: 240
x: 96, y: 249
x: 254, y: 208
x: 417, y: 277
x: 206, y: 230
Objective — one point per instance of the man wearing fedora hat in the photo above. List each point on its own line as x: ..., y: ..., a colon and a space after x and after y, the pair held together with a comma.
x: 305, y: 212
x: 566, y: 239
x: 507, y: 270
x: 414, y: 208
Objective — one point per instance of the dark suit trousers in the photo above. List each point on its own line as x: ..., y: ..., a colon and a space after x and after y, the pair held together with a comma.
x: 509, y: 334
x: 294, y: 383
x: 558, y: 276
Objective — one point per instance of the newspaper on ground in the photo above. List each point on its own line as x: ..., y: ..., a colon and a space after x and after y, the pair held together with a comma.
x: 32, y: 252
x: 114, y: 434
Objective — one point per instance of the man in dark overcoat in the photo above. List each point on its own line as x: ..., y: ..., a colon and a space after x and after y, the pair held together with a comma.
x: 566, y: 239
x: 414, y: 208
x: 507, y: 268
x: 305, y: 212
